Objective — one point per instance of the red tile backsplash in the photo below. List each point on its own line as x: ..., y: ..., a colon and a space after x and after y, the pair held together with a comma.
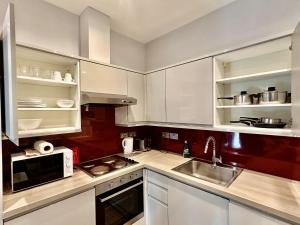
x: 275, y: 155
x: 100, y: 137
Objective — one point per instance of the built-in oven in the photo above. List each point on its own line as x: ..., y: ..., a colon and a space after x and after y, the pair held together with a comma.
x: 120, y: 201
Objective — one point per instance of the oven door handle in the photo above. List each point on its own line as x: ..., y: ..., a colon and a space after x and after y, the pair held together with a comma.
x: 119, y: 192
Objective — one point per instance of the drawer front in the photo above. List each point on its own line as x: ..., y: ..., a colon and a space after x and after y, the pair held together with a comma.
x: 158, y: 193
x: 158, y: 179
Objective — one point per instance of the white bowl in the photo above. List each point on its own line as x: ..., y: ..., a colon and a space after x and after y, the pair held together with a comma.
x: 29, y: 124
x: 65, y: 103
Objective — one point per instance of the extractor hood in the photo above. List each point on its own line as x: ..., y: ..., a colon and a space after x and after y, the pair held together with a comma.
x: 107, y: 99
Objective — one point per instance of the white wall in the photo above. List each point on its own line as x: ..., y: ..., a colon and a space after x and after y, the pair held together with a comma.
x: 47, y: 26
x: 44, y: 25
x: 235, y: 24
x: 127, y: 52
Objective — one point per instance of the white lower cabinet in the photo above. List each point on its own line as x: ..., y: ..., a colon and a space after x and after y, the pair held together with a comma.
x: 156, y: 198
x: 169, y: 202
x: 174, y: 203
x: 189, y: 206
x: 242, y: 215
x: 77, y: 210
x: 158, y: 212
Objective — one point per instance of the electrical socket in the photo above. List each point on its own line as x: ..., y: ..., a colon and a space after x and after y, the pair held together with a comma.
x: 165, y: 135
x: 123, y: 135
x: 132, y: 134
x: 174, y: 136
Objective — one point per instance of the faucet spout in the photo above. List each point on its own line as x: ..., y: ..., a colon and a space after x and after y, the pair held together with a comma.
x: 215, y: 159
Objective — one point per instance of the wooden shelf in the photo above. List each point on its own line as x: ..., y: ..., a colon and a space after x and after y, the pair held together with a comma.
x: 254, y: 106
x: 46, y: 82
x: 48, y: 131
x: 47, y: 109
x: 255, y: 130
x: 255, y: 76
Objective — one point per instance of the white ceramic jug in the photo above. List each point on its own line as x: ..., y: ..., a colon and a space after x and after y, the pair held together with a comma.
x: 127, y: 144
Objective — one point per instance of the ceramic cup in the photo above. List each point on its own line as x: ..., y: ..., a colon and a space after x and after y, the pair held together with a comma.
x: 68, y: 77
x: 56, y: 76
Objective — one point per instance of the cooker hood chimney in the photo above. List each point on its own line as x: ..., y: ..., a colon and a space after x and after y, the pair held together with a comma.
x: 95, y: 35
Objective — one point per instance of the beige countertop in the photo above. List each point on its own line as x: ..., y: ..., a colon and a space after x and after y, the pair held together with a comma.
x: 271, y: 194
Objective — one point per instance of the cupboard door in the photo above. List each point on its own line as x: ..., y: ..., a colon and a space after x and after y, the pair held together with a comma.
x: 77, y: 210
x: 189, y: 90
x: 156, y: 96
x: 238, y: 213
x: 158, y: 212
x: 187, y: 204
x: 103, y: 79
x: 9, y: 63
x: 136, y: 89
x: 296, y: 80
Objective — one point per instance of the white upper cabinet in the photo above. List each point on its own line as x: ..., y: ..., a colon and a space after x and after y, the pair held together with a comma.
x: 136, y: 89
x: 31, y: 93
x: 189, y: 206
x: 9, y: 62
x: 189, y: 93
x: 103, y: 79
x: 239, y: 214
x: 296, y: 80
x: 156, y: 96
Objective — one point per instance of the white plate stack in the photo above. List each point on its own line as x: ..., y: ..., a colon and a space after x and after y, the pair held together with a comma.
x: 31, y: 103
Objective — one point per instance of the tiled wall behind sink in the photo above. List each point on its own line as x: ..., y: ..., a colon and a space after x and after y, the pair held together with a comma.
x: 269, y: 154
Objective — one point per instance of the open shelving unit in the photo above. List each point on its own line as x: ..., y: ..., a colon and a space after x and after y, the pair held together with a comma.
x: 55, y: 120
x: 253, y: 69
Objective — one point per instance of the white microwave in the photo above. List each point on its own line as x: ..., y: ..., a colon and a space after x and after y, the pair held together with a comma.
x: 28, y: 172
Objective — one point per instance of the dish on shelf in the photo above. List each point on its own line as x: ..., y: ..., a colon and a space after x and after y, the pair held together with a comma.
x: 30, y: 100
x: 29, y: 124
x: 64, y: 103
x: 43, y: 105
x: 31, y: 103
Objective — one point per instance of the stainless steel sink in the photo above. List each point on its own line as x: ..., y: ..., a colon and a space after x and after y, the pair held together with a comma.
x: 219, y: 174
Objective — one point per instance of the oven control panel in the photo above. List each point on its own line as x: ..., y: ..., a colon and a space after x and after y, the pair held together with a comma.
x: 119, y: 181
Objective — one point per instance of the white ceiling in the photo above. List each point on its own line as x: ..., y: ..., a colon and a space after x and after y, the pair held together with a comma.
x: 145, y: 20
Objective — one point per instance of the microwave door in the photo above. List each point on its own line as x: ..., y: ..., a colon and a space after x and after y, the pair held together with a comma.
x: 31, y: 172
